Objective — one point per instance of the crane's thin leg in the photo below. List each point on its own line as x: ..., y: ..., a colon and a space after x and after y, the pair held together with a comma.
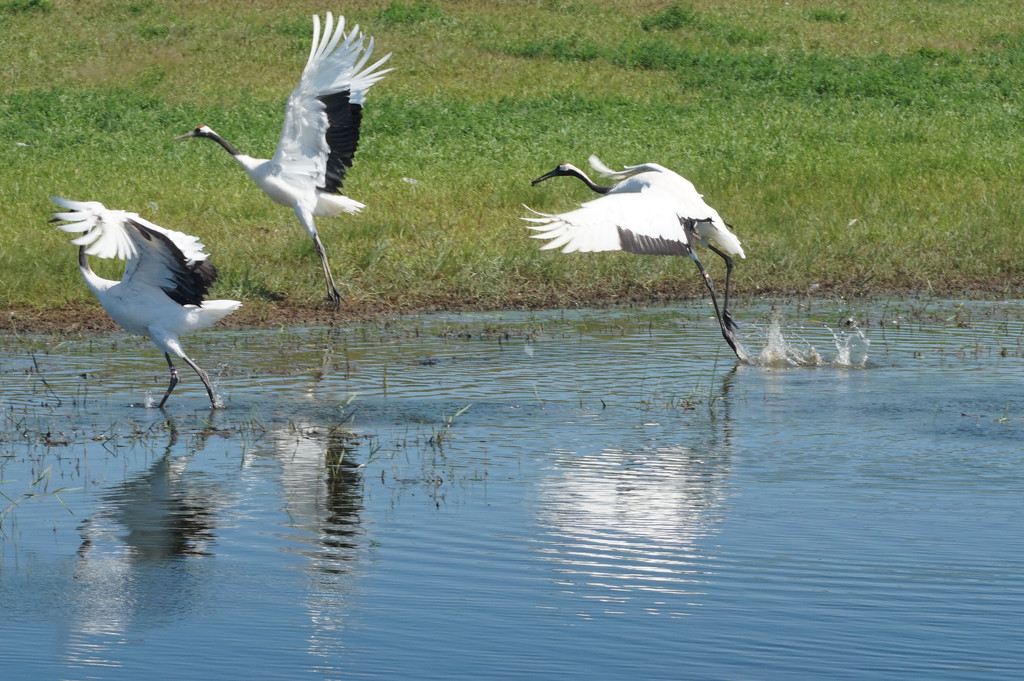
x: 206, y: 381
x: 726, y: 331
x: 726, y: 315
x: 333, y: 296
x: 174, y: 380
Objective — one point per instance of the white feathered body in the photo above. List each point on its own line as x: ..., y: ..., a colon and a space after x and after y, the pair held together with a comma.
x: 147, y: 313
x: 282, y: 187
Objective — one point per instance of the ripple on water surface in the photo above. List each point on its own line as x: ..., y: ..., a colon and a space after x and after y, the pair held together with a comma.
x: 589, y: 494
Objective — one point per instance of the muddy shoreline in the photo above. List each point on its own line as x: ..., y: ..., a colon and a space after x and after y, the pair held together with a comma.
x: 91, y: 318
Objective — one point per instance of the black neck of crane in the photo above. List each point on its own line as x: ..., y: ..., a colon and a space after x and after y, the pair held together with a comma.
x: 599, y: 188
x: 83, y: 259
x: 224, y: 143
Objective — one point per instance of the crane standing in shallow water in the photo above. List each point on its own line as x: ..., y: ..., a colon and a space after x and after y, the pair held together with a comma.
x: 166, y: 275
x: 651, y: 210
x: 320, y: 133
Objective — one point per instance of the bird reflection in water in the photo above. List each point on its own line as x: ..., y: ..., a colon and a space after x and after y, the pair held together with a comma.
x: 630, y: 523
x: 160, y: 514
x: 141, y: 551
x: 323, y: 486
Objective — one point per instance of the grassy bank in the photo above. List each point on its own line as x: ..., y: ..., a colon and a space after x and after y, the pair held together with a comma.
x: 856, y: 146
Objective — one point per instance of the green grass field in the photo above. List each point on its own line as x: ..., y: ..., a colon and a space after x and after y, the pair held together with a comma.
x: 857, y: 147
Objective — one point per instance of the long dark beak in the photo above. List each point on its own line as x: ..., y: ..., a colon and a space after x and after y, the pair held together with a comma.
x: 545, y: 176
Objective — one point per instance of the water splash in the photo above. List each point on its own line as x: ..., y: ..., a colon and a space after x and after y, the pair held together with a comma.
x: 851, y: 349
x: 779, y: 352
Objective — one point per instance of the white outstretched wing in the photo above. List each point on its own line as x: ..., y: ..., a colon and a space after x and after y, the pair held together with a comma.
x: 110, y: 234
x: 644, y: 222
x: 103, y: 231
x: 332, y: 67
x: 172, y: 261
x: 335, y: 75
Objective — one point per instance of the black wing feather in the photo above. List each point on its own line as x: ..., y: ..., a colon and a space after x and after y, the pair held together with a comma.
x: 641, y: 244
x: 343, y: 120
x: 190, y: 282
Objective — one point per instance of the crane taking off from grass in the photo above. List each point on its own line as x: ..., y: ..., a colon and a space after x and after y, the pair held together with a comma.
x: 166, y: 275
x: 651, y: 210
x: 319, y: 135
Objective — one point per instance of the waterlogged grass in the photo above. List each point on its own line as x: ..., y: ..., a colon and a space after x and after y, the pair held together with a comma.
x: 857, y: 148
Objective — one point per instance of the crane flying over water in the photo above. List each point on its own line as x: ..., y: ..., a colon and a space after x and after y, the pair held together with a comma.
x: 166, y: 275
x: 319, y: 135
x: 650, y: 210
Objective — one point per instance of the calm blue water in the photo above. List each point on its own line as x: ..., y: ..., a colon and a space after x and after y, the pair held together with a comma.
x: 581, y: 494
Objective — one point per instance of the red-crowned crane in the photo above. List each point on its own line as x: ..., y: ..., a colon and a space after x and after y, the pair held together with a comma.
x: 650, y: 210
x: 166, y: 275
x: 320, y: 133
